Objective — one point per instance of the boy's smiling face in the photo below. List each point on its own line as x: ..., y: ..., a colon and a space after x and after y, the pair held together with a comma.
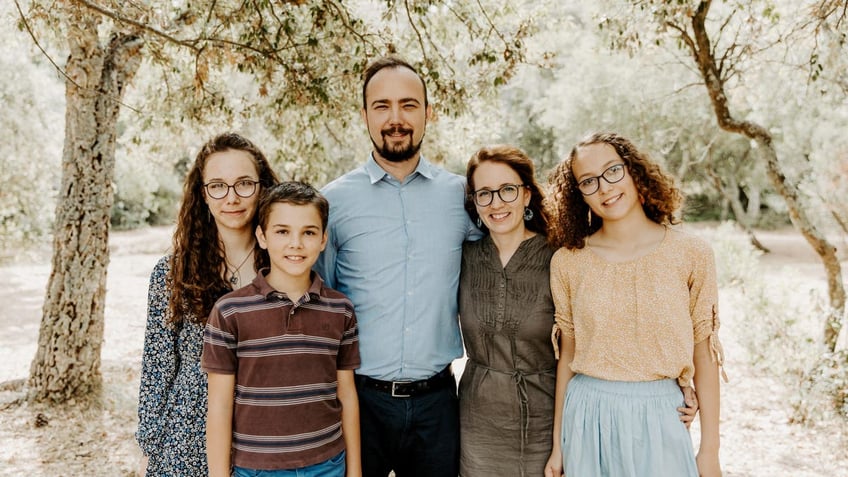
x: 294, y: 237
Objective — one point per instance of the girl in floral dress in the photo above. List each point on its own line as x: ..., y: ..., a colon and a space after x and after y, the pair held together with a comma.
x: 214, y: 252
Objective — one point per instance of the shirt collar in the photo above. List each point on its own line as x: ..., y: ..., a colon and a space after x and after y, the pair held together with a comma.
x: 376, y: 173
x: 267, y: 290
x: 317, y: 286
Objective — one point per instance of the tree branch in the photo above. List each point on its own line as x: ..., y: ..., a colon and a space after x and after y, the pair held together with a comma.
x: 684, y: 36
x: 141, y: 26
x: 826, y: 9
x: 190, y: 44
x: 43, y: 51
x: 712, y: 79
x: 492, y: 25
x: 58, y: 68
x: 342, y: 15
x: 211, y: 9
x: 417, y: 33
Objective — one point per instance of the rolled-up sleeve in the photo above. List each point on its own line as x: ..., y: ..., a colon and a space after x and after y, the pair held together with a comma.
x: 703, y: 304
x: 561, y: 293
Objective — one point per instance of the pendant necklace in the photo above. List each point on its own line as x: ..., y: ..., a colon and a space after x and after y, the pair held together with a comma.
x: 233, y: 278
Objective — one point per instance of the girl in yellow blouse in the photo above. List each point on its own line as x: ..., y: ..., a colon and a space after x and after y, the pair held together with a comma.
x: 636, y: 320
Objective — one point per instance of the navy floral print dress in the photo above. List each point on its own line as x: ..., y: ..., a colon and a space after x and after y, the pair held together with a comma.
x: 172, y: 396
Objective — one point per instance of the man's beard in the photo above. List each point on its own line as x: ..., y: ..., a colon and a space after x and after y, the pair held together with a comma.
x: 402, y: 152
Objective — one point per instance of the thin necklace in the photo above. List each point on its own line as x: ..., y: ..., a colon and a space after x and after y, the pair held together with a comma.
x: 233, y: 278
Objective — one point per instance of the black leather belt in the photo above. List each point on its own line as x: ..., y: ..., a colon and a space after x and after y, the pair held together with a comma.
x: 405, y: 389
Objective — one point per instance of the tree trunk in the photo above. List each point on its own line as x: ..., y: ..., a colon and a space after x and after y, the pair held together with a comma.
x: 705, y: 59
x: 754, y: 202
x: 67, y: 362
x: 731, y: 197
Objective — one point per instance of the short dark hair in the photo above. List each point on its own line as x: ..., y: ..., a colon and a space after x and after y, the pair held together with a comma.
x: 390, y: 61
x: 292, y: 192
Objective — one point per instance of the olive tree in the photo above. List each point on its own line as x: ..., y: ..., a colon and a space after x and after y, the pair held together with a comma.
x: 297, y: 64
x: 725, y: 41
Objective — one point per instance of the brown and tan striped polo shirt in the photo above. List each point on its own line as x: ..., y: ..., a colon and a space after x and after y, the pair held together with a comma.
x: 285, y: 356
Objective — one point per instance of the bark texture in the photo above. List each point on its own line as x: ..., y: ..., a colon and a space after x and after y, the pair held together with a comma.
x: 699, y: 45
x: 67, y: 362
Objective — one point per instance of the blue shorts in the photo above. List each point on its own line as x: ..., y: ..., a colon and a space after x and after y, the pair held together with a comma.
x: 625, y: 429
x: 333, y: 467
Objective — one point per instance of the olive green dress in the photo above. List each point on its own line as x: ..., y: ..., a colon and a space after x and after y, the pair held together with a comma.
x: 506, y: 394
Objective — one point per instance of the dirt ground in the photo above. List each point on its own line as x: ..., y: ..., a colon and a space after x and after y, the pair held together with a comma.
x: 95, y: 437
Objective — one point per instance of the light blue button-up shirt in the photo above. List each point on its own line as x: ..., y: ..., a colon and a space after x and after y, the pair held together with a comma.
x: 395, y: 248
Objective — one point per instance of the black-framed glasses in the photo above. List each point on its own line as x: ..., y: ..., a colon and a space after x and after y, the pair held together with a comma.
x: 218, y: 190
x: 507, y: 193
x: 612, y: 174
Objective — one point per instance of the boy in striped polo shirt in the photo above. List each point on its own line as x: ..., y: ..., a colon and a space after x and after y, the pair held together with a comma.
x: 280, y: 355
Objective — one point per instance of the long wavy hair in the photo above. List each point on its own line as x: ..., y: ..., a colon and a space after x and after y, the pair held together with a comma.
x: 195, y: 278
x: 570, y: 225
x: 518, y: 161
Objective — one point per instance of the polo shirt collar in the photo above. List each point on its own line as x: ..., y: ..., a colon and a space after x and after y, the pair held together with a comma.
x: 267, y: 290
x: 261, y: 284
x: 316, y: 287
x: 376, y: 173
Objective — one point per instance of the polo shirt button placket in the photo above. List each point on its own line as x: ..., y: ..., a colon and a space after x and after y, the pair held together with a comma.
x: 290, y: 320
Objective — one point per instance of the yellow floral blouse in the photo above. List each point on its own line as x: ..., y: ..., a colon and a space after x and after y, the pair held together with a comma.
x: 638, y: 320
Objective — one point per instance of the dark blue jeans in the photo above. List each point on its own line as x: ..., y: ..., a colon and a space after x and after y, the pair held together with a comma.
x: 333, y: 467
x: 415, y: 436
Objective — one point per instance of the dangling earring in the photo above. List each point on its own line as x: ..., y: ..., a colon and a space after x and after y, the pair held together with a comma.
x: 479, y: 222
x: 528, y: 214
x: 590, y: 218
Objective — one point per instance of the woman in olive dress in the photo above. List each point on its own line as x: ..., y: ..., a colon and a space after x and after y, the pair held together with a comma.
x: 506, y: 392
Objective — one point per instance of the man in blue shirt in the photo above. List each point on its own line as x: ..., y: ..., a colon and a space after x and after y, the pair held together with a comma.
x: 396, y: 229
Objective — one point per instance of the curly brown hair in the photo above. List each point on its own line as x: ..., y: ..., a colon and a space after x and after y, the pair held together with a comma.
x: 570, y: 227
x: 518, y: 161
x: 198, y: 258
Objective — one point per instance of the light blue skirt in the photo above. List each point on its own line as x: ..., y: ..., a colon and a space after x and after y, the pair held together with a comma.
x: 625, y: 429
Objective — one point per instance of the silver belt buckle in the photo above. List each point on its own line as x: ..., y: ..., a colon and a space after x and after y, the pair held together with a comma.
x: 394, y: 389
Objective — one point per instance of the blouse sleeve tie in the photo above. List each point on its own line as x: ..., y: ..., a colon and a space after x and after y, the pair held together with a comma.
x: 716, y: 350
x: 555, y: 332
